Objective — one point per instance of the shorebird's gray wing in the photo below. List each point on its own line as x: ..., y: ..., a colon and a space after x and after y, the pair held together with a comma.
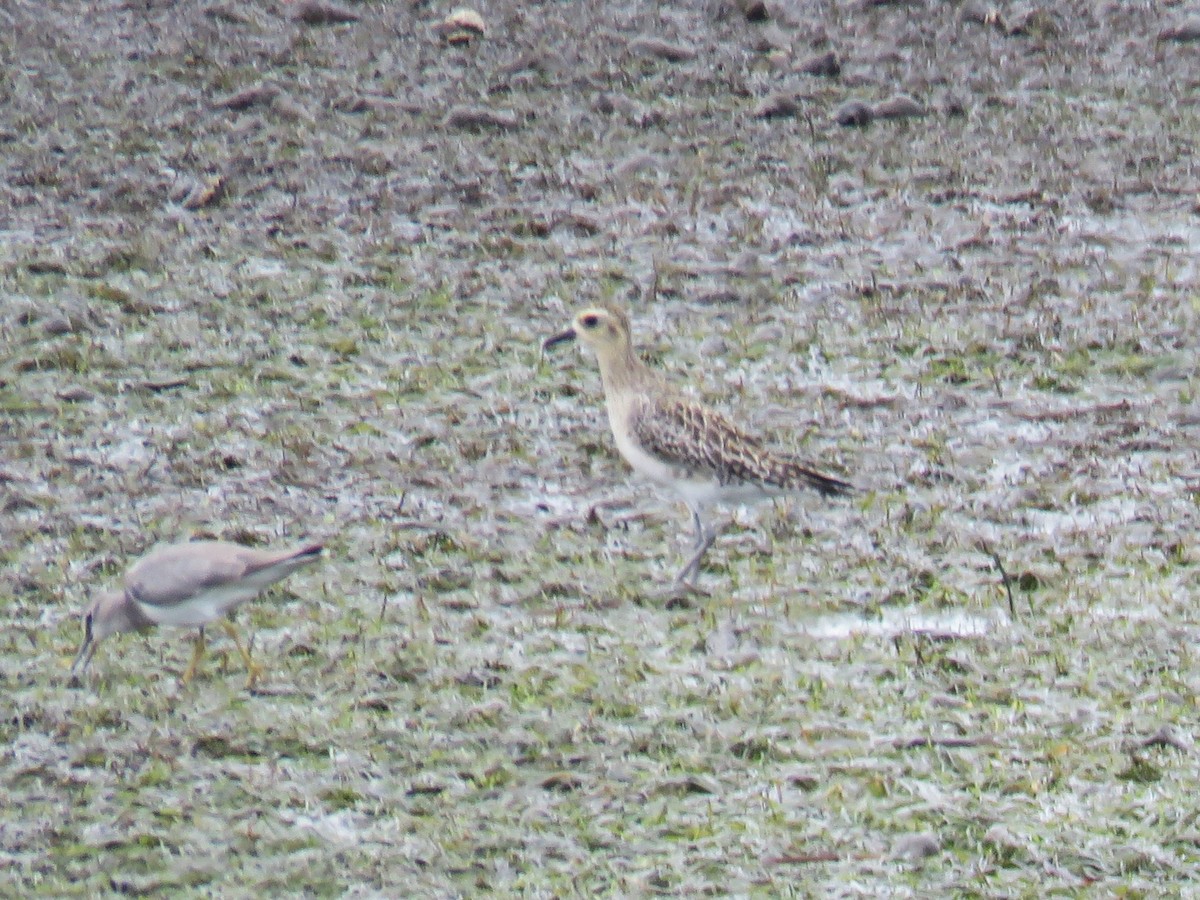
x: 176, y: 574
x: 701, y: 441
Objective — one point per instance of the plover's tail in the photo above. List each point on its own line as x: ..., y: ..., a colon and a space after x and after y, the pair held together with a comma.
x: 793, y: 475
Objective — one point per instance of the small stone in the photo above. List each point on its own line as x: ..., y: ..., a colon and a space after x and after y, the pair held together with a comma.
x: 979, y: 13
x: 689, y: 784
x: 660, y: 49
x: 287, y: 108
x: 954, y: 106
x: 1000, y: 838
x: 1183, y: 32
x: 318, y: 12
x: 479, y: 117
x: 771, y: 40
x: 562, y: 781
x: 1030, y: 21
x: 853, y: 114
x: 255, y: 95
x: 57, y: 325
x: 753, y: 10
x: 206, y: 194
x: 807, y: 781
x: 777, y: 106
x: 822, y: 65
x: 75, y: 394
x: 916, y: 846
x: 228, y: 12
x: 900, y: 106
x: 608, y: 103
x: 461, y: 26
x: 636, y: 164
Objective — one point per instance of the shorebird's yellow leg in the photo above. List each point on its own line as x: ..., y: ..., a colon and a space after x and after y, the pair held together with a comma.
x: 197, y: 655
x: 253, y: 669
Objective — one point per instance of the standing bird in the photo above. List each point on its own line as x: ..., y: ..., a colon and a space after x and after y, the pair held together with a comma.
x: 679, y: 443
x: 189, y: 585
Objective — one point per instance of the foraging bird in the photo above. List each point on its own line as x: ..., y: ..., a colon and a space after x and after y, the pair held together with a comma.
x: 189, y: 585
x: 679, y: 443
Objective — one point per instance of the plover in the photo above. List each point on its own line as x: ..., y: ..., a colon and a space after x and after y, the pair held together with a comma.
x: 679, y: 443
x: 189, y: 585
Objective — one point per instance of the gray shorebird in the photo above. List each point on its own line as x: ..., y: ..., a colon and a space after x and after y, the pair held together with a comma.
x: 189, y: 585
x: 679, y: 443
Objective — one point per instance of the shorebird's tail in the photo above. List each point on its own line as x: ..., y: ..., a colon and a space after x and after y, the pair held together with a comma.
x: 798, y: 476
x: 268, y: 567
x: 298, y: 559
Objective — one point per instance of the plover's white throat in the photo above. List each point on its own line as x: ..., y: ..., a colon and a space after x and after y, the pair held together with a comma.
x: 679, y: 443
x: 189, y: 585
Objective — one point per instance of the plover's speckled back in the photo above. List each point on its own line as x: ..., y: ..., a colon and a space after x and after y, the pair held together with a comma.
x: 679, y: 443
x: 189, y: 585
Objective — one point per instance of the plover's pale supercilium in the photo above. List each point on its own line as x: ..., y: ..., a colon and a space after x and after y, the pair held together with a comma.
x: 679, y: 443
x: 189, y: 585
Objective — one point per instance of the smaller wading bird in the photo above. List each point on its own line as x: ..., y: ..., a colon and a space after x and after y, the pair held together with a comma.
x: 189, y: 585
x: 679, y: 443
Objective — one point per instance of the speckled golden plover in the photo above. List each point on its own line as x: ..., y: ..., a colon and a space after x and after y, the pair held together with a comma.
x: 679, y: 443
x: 189, y: 585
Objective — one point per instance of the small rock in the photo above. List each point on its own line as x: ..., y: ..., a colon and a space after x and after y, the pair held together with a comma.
x: 479, y: 117
x: 805, y: 781
x: 954, y: 106
x: 1030, y: 21
x: 636, y: 164
x: 56, y: 325
x: 822, y: 65
x: 1183, y: 32
x: 916, y: 846
x: 771, y: 335
x: 979, y: 13
x: 206, y: 194
x: 900, y: 106
x: 753, y: 10
x: 1001, y: 838
x: 228, y: 12
x: 75, y: 394
x: 461, y: 26
x: 318, y: 12
x: 562, y: 781
x: 608, y: 103
x: 1167, y: 736
x: 377, y: 103
x: 853, y: 114
x: 488, y: 711
x: 689, y: 784
x: 771, y: 38
x: 287, y: 107
x: 660, y: 49
x: 255, y: 95
x: 777, y: 106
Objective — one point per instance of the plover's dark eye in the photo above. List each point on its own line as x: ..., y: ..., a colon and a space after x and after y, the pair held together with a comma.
x: 591, y: 320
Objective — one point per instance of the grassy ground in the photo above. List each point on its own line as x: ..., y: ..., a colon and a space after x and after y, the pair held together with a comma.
x: 975, y: 678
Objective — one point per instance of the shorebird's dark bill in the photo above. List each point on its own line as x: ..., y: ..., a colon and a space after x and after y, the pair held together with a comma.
x: 87, y: 649
x: 568, y: 335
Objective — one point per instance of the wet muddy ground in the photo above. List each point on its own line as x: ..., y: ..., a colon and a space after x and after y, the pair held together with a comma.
x: 266, y: 277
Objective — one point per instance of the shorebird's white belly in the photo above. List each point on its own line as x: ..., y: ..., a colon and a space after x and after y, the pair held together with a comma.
x: 202, y: 608
x: 695, y: 488
x: 643, y: 463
